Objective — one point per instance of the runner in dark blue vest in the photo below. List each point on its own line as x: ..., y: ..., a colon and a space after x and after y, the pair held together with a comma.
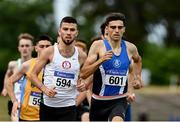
x: 110, y: 62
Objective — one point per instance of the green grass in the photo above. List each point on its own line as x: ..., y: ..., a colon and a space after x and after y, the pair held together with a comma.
x: 3, y: 109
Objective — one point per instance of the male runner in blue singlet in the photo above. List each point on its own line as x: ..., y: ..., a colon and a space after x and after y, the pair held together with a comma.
x: 109, y: 60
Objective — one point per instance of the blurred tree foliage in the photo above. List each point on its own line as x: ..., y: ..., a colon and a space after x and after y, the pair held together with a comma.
x: 36, y: 17
x: 162, y: 62
x: 19, y: 16
x: 139, y: 15
x: 142, y: 16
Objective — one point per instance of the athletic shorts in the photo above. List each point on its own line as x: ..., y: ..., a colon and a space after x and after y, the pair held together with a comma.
x: 105, y: 110
x: 57, y: 113
x: 128, y: 113
x: 10, y: 105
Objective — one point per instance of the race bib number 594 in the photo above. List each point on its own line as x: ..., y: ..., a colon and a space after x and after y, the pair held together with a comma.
x: 115, y: 80
x: 63, y: 79
x: 63, y: 82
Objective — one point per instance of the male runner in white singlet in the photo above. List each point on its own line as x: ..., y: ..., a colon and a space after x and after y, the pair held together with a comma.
x: 61, y: 64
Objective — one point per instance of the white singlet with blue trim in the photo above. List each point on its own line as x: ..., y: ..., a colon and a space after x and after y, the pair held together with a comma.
x: 17, y: 85
x: 62, y: 73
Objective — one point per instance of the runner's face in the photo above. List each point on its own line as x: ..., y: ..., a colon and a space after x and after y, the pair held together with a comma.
x: 25, y: 47
x: 68, y: 32
x: 115, y: 30
x: 41, y: 45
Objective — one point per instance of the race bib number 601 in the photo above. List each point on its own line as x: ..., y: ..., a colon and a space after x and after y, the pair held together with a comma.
x: 115, y: 80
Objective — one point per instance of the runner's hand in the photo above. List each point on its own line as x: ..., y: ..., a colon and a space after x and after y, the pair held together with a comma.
x: 108, y: 55
x: 4, y: 92
x: 131, y: 97
x: 137, y: 83
x: 51, y: 92
x: 81, y: 85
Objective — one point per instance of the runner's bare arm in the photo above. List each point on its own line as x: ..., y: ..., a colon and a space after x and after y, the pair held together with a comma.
x: 130, y: 79
x: 8, y: 73
x: 82, y: 57
x: 40, y: 63
x: 92, y: 62
x: 81, y: 96
x: 14, y: 78
x: 130, y: 93
x: 45, y: 56
x: 137, y: 65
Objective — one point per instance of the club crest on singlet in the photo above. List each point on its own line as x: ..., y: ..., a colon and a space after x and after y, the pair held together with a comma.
x: 116, y: 63
x: 66, y: 64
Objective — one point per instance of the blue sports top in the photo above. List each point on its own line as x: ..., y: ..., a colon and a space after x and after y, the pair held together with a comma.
x: 111, y: 77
